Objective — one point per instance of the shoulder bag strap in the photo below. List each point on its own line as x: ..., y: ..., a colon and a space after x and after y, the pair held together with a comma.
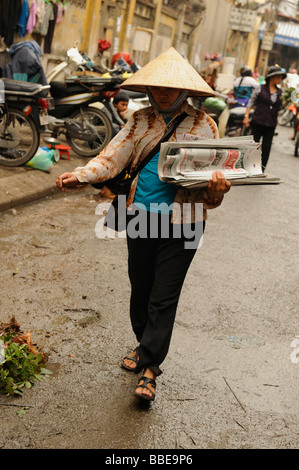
x: 156, y: 149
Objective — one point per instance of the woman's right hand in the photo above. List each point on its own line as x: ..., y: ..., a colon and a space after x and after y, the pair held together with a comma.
x: 246, y: 121
x: 67, y: 180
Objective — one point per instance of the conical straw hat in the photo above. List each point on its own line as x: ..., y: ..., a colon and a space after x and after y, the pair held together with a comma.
x: 171, y: 70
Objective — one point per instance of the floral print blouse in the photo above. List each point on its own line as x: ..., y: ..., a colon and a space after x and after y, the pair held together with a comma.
x: 136, y: 139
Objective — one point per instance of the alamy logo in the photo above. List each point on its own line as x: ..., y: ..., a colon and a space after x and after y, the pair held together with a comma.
x: 153, y: 224
x: 295, y: 353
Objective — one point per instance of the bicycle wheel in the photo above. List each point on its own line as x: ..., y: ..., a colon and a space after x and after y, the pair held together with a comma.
x: 296, y: 152
x: 19, y: 139
x: 98, y: 124
x: 285, y: 118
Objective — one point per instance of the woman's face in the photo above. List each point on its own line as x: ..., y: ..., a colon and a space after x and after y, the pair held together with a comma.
x: 276, y: 80
x: 164, y: 96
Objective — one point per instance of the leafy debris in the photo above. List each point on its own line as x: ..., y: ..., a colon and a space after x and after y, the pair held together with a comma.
x: 21, y: 363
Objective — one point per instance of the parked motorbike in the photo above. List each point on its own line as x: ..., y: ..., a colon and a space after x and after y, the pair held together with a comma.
x: 73, y: 62
x: 235, y: 126
x: 83, y: 101
x: 78, y: 62
x: 288, y: 115
x: 228, y: 116
x: 79, y: 115
x: 24, y: 113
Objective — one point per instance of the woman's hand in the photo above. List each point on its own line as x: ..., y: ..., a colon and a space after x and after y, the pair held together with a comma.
x: 67, y: 180
x: 217, y: 186
x: 246, y: 121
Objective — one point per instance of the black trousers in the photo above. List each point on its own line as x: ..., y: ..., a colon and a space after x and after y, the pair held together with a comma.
x: 267, y: 134
x: 157, y: 270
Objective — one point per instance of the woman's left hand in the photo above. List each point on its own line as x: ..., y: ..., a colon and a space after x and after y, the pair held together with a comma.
x: 218, y: 186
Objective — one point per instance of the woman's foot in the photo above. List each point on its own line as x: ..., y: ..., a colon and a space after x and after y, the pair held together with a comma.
x: 130, y: 362
x: 146, y: 388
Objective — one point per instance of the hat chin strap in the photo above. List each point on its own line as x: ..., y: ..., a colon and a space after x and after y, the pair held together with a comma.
x: 173, y: 108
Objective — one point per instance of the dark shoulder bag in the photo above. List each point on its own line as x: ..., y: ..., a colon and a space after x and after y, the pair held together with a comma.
x: 116, y: 215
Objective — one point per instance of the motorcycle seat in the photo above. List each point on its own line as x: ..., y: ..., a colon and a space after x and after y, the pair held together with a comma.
x: 135, y: 94
x: 62, y: 89
x: 17, y: 85
x: 238, y: 112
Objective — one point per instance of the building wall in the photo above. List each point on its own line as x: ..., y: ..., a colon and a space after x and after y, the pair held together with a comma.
x: 212, y: 31
x: 66, y: 34
x: 145, y: 28
x: 166, y: 31
x: 253, y: 46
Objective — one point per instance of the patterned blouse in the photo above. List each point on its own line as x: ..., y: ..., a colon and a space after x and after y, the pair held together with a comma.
x: 136, y: 139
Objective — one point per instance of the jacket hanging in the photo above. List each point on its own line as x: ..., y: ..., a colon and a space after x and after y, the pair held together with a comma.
x: 50, y: 33
x: 10, y: 11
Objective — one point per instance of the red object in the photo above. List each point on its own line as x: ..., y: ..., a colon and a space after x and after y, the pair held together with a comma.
x: 125, y: 55
x: 103, y: 45
x: 110, y: 94
x: 63, y: 150
x: 46, y: 103
x: 28, y: 110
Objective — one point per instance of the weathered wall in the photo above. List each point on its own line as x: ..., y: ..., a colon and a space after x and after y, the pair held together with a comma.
x: 212, y: 31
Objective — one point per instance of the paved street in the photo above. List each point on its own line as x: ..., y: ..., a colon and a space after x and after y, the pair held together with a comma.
x: 231, y: 377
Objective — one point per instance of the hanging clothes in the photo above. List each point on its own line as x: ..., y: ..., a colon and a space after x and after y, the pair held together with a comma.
x: 32, y: 17
x: 9, y: 16
x: 60, y: 13
x: 23, y: 19
x: 50, y: 33
x: 48, y: 16
x: 40, y: 15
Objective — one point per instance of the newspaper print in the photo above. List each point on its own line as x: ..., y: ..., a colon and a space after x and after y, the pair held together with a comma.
x: 196, y: 159
x: 194, y: 162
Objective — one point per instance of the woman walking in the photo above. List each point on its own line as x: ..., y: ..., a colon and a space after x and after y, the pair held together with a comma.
x: 158, y: 264
x: 267, y: 102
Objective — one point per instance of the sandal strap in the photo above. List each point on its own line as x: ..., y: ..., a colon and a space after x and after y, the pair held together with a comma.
x: 146, y: 381
x: 133, y: 358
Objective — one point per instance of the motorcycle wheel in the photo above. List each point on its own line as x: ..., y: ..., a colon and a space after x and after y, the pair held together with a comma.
x: 285, y: 118
x: 245, y: 131
x: 22, y: 137
x: 296, y: 152
x: 103, y: 129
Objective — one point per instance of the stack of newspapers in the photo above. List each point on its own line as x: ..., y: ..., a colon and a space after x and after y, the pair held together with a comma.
x: 191, y: 162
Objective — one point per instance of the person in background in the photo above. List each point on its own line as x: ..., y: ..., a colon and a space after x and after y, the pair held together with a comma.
x: 292, y: 79
x: 255, y: 74
x: 266, y: 99
x: 244, y: 86
x: 121, y: 103
x: 158, y: 262
x: 118, y: 114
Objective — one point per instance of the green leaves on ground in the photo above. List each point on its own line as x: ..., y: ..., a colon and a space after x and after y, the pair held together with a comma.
x: 20, y: 368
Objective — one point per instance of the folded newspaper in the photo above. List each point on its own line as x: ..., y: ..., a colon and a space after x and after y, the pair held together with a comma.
x: 191, y: 162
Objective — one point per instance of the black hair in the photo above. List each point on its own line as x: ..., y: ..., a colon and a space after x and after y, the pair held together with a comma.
x: 121, y: 96
x: 246, y: 71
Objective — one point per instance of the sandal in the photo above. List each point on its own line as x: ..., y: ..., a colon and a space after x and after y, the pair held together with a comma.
x: 131, y: 358
x: 146, y: 381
